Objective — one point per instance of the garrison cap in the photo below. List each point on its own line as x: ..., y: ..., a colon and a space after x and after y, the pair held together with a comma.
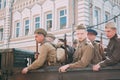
x: 110, y: 25
x: 40, y: 31
x: 50, y: 35
x: 81, y: 26
x: 92, y: 31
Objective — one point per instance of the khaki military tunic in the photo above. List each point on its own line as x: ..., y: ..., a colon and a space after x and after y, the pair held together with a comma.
x: 83, y: 55
x: 98, y: 53
x: 47, y: 56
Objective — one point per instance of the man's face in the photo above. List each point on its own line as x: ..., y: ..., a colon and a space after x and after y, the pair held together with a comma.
x: 81, y: 34
x: 39, y: 38
x: 110, y: 32
x: 91, y: 36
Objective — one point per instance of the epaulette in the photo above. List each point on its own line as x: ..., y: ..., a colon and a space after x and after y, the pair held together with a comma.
x: 88, y: 42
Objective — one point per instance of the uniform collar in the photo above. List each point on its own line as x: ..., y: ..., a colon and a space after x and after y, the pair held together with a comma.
x: 114, y: 37
x: 43, y: 42
x: 84, y: 41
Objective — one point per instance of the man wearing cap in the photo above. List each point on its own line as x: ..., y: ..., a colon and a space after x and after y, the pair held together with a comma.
x: 84, y: 52
x: 47, y: 53
x: 113, y: 48
x: 98, y: 49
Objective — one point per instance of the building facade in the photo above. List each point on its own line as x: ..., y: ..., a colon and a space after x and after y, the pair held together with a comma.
x: 20, y: 18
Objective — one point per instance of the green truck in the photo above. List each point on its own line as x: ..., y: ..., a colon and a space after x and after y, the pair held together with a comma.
x: 12, y: 61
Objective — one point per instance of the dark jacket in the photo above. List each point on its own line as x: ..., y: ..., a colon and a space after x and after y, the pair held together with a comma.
x: 112, y: 52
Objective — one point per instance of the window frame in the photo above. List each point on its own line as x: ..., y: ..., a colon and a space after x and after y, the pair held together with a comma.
x: 108, y: 14
x: 61, y: 17
x: 38, y: 22
x: 17, y: 27
x: 0, y: 4
x: 28, y: 25
x: 50, y: 20
x: 4, y: 3
x: 97, y: 18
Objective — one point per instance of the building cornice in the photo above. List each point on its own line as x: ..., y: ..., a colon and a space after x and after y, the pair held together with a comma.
x: 20, y: 5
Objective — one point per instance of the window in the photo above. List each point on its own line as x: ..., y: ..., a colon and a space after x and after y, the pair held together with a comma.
x: 115, y: 19
x: 0, y: 4
x: 62, y: 18
x: 107, y: 16
x: 4, y: 3
x: 17, y: 29
x: 26, y: 27
x: 49, y: 21
x: 37, y: 22
x: 1, y: 34
x: 96, y: 16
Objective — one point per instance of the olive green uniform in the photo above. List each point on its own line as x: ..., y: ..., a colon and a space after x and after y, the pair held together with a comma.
x: 47, y: 56
x: 83, y: 55
x: 98, y: 53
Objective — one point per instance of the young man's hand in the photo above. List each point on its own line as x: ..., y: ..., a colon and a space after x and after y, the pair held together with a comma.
x: 96, y: 67
x: 25, y: 70
x: 63, y: 68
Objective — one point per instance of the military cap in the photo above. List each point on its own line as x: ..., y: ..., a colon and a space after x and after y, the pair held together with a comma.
x: 110, y: 25
x: 50, y: 35
x: 81, y: 26
x: 40, y: 31
x: 92, y: 31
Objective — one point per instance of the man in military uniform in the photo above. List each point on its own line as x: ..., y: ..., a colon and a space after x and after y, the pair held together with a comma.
x: 84, y: 52
x: 112, y: 50
x: 47, y: 53
x: 98, y: 49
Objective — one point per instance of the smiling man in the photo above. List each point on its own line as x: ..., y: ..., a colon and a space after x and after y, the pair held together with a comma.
x: 84, y: 52
x: 112, y: 51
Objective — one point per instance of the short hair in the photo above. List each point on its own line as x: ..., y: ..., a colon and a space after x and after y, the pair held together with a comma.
x: 81, y: 26
x: 40, y: 31
x: 110, y: 25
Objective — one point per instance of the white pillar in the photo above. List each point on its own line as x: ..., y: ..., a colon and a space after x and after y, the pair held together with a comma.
x: 7, y: 24
x: 83, y: 12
